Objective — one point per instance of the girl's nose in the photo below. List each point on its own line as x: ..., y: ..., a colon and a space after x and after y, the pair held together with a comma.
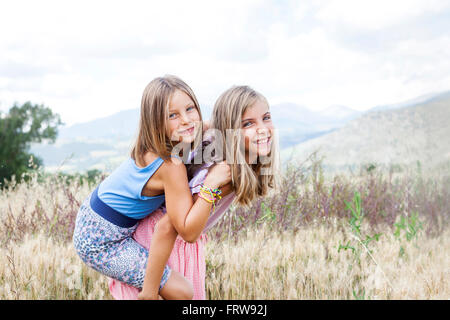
x: 262, y: 129
x: 185, y: 118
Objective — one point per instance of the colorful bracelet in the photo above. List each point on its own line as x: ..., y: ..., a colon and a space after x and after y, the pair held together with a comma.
x: 215, y: 193
x: 210, y: 195
x: 205, y: 197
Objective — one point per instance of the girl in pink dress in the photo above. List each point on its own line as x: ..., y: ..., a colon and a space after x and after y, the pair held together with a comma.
x: 252, y: 153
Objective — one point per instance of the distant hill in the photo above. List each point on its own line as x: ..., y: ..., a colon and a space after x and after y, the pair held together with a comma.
x: 295, y: 123
x: 398, y: 135
x: 418, y: 100
x: 105, y: 142
x: 119, y: 125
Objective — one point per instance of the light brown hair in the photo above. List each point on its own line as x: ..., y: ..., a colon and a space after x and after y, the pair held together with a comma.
x: 249, y: 180
x: 153, y: 134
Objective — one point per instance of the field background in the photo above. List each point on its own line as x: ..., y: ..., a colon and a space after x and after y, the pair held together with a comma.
x: 368, y: 235
x: 362, y: 213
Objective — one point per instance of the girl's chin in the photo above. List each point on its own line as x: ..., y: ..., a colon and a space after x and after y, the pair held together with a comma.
x: 264, y: 151
x: 263, y: 154
x: 187, y: 139
x: 175, y: 142
x: 260, y: 152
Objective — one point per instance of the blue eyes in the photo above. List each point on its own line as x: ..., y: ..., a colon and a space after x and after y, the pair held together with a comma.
x: 188, y: 109
x: 247, y: 124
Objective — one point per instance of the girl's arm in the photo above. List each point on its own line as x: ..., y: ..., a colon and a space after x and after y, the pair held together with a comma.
x: 188, y: 218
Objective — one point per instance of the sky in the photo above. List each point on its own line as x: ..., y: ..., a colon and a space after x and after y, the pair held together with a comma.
x: 91, y: 59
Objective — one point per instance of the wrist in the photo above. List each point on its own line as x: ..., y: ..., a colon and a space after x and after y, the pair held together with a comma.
x: 207, y: 198
x: 210, y: 194
x: 211, y: 184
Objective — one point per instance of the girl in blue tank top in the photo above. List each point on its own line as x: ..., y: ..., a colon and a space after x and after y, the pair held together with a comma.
x: 170, y: 117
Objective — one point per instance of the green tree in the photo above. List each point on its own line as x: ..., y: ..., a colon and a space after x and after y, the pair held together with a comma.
x: 21, y: 126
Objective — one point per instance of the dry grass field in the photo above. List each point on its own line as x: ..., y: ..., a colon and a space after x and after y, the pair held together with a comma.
x: 262, y: 265
x: 320, y: 240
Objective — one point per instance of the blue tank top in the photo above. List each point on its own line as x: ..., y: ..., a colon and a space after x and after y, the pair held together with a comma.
x: 122, y: 190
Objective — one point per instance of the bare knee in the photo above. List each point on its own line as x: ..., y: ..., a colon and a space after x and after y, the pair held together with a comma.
x: 164, y: 226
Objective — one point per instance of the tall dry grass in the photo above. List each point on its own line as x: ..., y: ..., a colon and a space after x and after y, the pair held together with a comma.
x: 307, y: 265
x: 39, y: 267
x: 287, y: 246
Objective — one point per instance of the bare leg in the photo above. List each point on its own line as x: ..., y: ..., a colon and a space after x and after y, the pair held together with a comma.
x: 161, y: 246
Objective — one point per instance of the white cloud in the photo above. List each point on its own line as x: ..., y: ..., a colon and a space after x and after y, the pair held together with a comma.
x: 376, y: 15
x: 91, y: 59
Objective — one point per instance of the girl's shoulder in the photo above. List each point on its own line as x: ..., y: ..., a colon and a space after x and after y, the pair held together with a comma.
x: 150, y: 158
x: 147, y: 159
x: 172, y: 169
x: 168, y: 173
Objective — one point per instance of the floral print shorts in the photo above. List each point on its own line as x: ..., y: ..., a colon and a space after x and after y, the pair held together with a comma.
x: 110, y: 249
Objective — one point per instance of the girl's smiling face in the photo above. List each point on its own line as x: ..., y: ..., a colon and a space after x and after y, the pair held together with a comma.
x: 257, y: 129
x: 183, y: 118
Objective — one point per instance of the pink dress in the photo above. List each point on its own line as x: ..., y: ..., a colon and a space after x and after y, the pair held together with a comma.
x: 186, y: 258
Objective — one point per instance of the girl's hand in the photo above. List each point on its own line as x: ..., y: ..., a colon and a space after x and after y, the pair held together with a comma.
x: 219, y: 175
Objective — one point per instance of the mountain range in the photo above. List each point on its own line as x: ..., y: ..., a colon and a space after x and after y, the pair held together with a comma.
x: 343, y: 132
x: 400, y: 134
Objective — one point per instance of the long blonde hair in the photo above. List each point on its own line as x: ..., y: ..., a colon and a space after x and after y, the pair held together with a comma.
x: 249, y: 180
x: 153, y: 133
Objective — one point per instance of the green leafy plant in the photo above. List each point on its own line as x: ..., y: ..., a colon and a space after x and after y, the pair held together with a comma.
x: 268, y: 214
x: 410, y: 226
x: 360, y: 295
x: 362, y: 240
x: 356, y: 220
